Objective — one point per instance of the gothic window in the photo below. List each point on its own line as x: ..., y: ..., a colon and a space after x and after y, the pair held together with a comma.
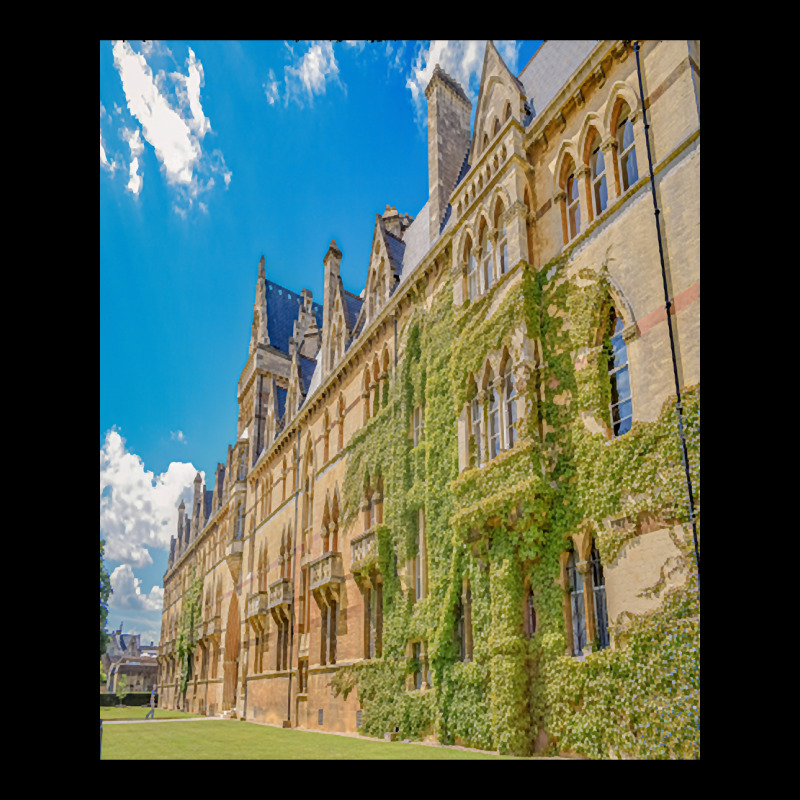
x: 328, y: 638
x: 366, y: 395
x: 416, y: 652
x: 621, y: 404
x: 598, y: 176
x: 472, y: 272
x: 487, y: 259
x: 573, y: 206
x: 463, y: 624
x: 599, y: 592
x: 626, y: 149
x: 502, y: 243
x: 510, y: 402
x: 577, y: 605
x: 340, y: 444
x: 304, y: 618
x: 240, y: 521
x: 493, y: 429
x: 416, y: 570
x: 475, y: 418
x: 262, y: 570
x: 373, y: 619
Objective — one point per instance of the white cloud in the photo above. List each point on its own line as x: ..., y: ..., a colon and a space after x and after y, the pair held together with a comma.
x: 137, y: 148
x: 138, y: 510
x: 307, y: 76
x: 175, y: 130
x: 177, y: 436
x: 461, y: 59
x: 126, y: 592
x: 271, y: 89
x: 112, y: 165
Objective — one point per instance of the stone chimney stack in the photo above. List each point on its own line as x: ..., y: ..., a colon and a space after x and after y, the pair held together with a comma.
x: 449, y: 111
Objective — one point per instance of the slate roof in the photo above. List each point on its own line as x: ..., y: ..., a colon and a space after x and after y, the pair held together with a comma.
x: 306, y: 371
x: 209, y: 499
x: 550, y: 67
x: 396, y: 250
x: 283, y: 306
x: 352, y: 304
x: 280, y: 396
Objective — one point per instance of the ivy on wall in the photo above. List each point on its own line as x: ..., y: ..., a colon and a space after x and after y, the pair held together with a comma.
x: 185, y: 641
x: 510, y: 521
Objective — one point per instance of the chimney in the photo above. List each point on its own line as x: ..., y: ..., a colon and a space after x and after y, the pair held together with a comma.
x: 449, y: 111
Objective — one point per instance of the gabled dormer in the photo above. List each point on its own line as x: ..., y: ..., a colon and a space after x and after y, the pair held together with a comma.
x: 340, y: 312
x: 501, y: 96
x: 386, y: 260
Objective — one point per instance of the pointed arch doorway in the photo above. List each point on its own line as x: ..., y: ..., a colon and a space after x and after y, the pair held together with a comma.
x: 230, y: 664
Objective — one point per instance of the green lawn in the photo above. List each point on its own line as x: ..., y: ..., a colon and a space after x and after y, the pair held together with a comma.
x: 140, y: 712
x: 232, y: 739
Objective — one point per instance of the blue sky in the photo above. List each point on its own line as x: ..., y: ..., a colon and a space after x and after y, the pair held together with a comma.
x: 212, y: 154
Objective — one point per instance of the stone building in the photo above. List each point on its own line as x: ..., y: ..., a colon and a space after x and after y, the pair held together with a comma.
x: 456, y: 506
x: 126, y: 655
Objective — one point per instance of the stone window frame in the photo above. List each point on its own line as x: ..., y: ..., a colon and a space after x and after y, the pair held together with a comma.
x: 581, y: 562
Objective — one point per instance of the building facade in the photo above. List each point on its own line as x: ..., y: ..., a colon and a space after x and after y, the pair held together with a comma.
x: 126, y: 655
x: 456, y: 506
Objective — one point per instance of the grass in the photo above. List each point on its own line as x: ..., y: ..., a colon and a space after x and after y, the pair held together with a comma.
x: 232, y: 739
x: 140, y: 712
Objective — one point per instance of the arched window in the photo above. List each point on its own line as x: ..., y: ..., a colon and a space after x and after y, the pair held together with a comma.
x: 599, y: 592
x: 340, y: 444
x: 472, y: 272
x: 597, y: 167
x: 366, y: 394
x: 577, y: 605
x: 463, y: 623
x: 573, y: 206
x: 621, y: 404
x: 494, y: 419
x: 476, y: 415
x: 486, y: 259
x: 502, y: 239
x: 510, y: 403
x: 626, y: 150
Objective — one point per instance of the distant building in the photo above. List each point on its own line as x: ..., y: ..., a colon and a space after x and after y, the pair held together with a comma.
x: 125, y: 655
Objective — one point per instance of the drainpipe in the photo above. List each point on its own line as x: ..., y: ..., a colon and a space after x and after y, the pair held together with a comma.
x: 294, y: 567
x: 668, y: 302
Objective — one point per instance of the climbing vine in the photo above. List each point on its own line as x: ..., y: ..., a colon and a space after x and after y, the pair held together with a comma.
x: 507, y: 524
x: 190, y: 617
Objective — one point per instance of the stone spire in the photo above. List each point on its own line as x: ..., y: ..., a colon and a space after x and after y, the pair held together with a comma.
x: 258, y: 330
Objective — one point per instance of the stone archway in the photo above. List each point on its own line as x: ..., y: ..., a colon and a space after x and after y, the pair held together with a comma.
x: 230, y: 664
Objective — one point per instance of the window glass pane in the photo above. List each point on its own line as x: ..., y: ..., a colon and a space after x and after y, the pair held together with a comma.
x: 631, y: 168
x: 622, y: 379
x: 599, y: 162
x: 572, y: 188
x: 601, y: 195
x: 627, y: 134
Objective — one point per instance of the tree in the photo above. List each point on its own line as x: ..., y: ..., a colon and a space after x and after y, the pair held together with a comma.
x: 105, y: 592
x: 121, y: 690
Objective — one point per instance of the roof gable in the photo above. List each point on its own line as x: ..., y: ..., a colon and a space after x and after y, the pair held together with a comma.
x: 498, y: 86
